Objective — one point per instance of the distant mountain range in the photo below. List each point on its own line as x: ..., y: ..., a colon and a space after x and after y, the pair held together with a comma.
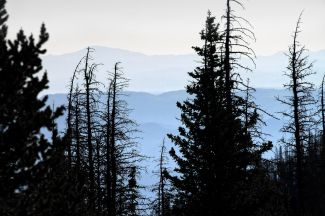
x: 161, y: 73
x: 158, y: 115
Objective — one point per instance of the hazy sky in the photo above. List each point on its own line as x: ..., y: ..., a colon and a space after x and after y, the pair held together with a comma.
x: 161, y: 26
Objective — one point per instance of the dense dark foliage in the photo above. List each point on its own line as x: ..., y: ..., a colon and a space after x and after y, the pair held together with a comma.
x: 26, y: 156
x: 220, y: 167
x: 94, y: 167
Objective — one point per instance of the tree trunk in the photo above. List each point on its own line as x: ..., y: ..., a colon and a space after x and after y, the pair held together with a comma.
x: 108, y: 156
x: 113, y: 144
x: 297, y: 134
x: 227, y: 65
x: 89, y: 132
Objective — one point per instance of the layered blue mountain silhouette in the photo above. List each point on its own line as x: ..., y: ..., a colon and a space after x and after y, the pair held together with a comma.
x: 162, y: 73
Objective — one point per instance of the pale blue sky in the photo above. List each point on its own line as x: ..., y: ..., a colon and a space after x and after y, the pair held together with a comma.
x: 161, y: 26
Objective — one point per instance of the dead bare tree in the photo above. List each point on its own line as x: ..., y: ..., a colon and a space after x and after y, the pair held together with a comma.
x: 69, y: 127
x: 161, y: 205
x: 321, y: 112
x: 300, y: 116
x: 235, y: 45
x: 120, y: 145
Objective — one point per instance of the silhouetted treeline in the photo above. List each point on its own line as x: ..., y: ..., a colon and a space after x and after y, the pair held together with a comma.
x: 93, y: 167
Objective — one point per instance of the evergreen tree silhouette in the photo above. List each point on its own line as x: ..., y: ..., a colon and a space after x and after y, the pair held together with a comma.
x: 196, y: 165
x: 218, y: 163
x: 25, y: 153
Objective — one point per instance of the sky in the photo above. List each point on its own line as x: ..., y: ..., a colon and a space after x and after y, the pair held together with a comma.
x: 162, y: 26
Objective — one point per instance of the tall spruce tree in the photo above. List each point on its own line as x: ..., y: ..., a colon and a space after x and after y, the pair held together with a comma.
x: 217, y: 160
x: 196, y: 165
x: 26, y: 155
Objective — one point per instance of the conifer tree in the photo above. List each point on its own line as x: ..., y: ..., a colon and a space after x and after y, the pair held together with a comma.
x: 26, y: 155
x: 217, y: 159
x: 196, y: 164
